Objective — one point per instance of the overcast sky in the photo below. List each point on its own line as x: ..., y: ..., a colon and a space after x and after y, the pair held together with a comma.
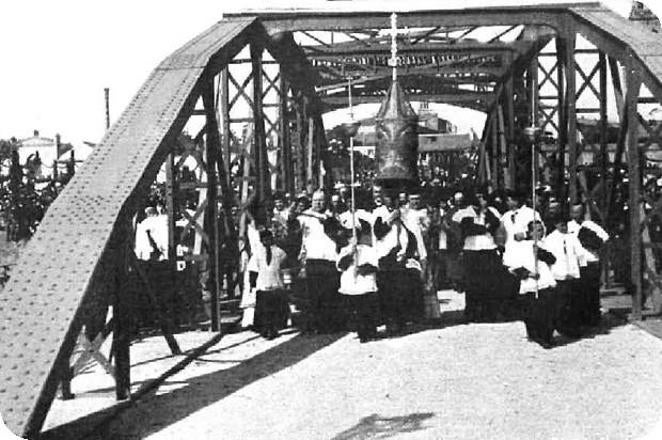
x: 57, y: 56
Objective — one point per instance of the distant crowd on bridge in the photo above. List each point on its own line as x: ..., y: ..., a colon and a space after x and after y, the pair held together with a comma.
x: 385, y: 264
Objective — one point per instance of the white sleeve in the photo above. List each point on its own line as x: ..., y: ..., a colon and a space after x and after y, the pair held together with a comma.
x: 459, y: 215
x: 280, y: 255
x: 599, y: 231
x: 253, y: 265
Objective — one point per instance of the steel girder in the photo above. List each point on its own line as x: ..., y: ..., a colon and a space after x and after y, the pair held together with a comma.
x: 45, y: 301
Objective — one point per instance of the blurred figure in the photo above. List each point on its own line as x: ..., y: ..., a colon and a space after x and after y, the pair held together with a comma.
x: 318, y: 228
x: 592, y: 238
x: 271, y: 307
x: 358, y: 283
x: 478, y: 222
x: 391, y: 242
x: 537, y: 286
x: 567, y: 250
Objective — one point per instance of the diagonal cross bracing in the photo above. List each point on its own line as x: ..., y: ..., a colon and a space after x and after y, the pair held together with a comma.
x: 43, y: 303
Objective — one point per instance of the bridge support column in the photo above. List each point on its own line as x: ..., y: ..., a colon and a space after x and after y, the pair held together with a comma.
x: 571, y: 115
x: 562, y: 135
x: 262, y: 182
x: 633, y: 81
x: 224, y: 97
x: 122, y: 313
x: 286, y: 159
x: 212, y: 150
x: 509, y: 97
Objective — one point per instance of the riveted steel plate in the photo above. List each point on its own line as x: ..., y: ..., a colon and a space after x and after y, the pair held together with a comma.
x: 41, y: 305
x: 646, y: 45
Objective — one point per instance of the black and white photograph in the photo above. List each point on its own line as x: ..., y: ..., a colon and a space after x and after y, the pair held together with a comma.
x: 331, y: 220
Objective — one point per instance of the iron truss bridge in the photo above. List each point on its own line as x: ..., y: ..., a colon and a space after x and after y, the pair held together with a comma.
x: 256, y: 84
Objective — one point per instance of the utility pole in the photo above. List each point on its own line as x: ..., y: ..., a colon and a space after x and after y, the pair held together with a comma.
x: 106, y: 92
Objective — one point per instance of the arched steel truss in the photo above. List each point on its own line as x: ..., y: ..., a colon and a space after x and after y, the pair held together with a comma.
x: 79, y: 256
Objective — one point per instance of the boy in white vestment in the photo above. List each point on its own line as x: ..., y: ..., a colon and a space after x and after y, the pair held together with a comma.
x: 358, y: 263
x: 537, y: 285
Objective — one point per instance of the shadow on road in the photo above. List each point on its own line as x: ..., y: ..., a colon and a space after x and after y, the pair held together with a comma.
x: 159, y: 411
x: 609, y: 321
x: 375, y: 426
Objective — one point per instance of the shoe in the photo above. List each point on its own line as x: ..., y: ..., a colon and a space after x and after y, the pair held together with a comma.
x: 546, y: 344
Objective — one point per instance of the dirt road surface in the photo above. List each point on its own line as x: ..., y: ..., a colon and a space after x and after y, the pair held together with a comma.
x: 446, y: 381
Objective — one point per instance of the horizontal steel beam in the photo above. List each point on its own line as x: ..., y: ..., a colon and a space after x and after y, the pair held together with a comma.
x: 358, y: 49
x: 276, y: 22
x: 424, y: 75
x: 475, y: 99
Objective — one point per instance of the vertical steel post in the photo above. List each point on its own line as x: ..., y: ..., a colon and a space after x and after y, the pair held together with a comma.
x: 495, y: 149
x: 310, y: 145
x: 633, y: 81
x: 510, y: 134
x: 604, y: 152
x: 562, y: 135
x: 604, y: 159
x: 121, y: 311
x: 287, y: 166
x: 483, y: 164
x: 212, y: 149
x: 225, y: 120
x: 106, y: 93
x: 170, y: 207
x: 300, y: 175
x: 263, y: 182
x: 571, y: 114
x: 533, y: 108
x: 320, y: 145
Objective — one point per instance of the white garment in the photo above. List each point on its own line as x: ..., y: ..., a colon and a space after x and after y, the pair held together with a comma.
x: 525, y: 258
x: 508, y: 223
x: 476, y: 242
x: 516, y: 222
x: 351, y: 283
x: 417, y: 221
x: 253, y: 236
x: 566, y: 249
x: 158, y: 229
x: 249, y: 295
x: 588, y: 256
x: 396, y: 236
x: 345, y: 218
x: 269, y: 276
x: 315, y: 243
x: 443, y: 238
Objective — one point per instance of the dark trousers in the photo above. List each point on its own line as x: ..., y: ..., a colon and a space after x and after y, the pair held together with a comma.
x: 540, y: 315
x: 363, y: 310
x: 438, y: 264
x: 484, y: 293
x: 590, y: 294
x: 271, y: 311
x: 325, y: 311
x: 392, y: 286
x: 569, y: 298
x: 413, y: 296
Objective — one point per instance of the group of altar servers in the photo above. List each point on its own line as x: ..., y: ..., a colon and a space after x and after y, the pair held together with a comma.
x: 359, y: 268
x: 549, y: 263
x: 371, y: 265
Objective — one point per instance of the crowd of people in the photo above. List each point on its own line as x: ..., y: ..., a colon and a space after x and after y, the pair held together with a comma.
x: 384, y: 261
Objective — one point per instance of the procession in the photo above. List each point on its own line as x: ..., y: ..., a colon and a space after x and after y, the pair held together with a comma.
x: 347, y: 221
